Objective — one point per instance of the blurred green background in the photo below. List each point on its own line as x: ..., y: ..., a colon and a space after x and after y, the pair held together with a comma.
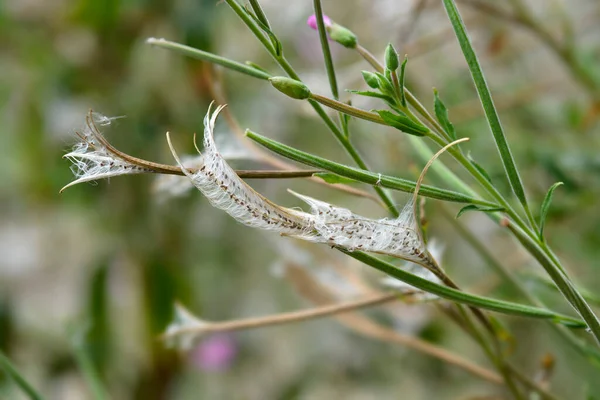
x: 96, y: 270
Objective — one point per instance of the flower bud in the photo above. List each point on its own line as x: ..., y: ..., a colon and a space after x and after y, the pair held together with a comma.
x: 290, y: 87
x: 391, y: 58
x: 336, y: 32
x: 371, y: 79
x: 342, y: 35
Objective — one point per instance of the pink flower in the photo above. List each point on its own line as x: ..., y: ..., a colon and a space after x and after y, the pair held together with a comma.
x: 215, y: 353
x: 335, y: 32
x: 312, y: 21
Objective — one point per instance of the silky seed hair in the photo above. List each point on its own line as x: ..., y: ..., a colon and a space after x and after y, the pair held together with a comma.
x: 340, y: 227
x: 399, y: 237
x: 219, y: 183
x: 93, y: 158
x: 230, y: 148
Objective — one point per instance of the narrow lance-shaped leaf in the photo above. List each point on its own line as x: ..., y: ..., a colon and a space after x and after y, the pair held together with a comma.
x: 546, y: 207
x: 473, y: 207
x: 402, y: 122
x: 277, y: 46
x: 479, y: 168
x: 260, y: 14
x: 370, y: 178
x: 441, y: 113
x: 384, y: 84
x: 458, y: 296
x: 371, y: 79
x: 402, y: 78
x: 209, y: 57
x: 370, y: 93
x: 7, y: 366
x: 487, y: 102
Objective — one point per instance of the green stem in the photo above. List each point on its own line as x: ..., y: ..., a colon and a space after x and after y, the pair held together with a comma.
x: 260, y: 14
x: 209, y: 57
x: 14, y: 373
x: 563, y: 283
x: 325, y: 48
x: 339, y: 135
x: 459, y: 296
x: 360, y: 175
x: 468, y: 325
x: 489, y: 108
x: 347, y: 109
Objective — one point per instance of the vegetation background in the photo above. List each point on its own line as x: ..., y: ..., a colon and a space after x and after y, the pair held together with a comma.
x: 97, y: 269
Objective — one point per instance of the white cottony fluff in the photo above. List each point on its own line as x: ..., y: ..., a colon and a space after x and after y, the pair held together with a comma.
x: 184, y: 330
x: 167, y: 186
x: 336, y: 226
x: 230, y: 148
x: 225, y: 190
x: 93, y: 158
x: 340, y: 227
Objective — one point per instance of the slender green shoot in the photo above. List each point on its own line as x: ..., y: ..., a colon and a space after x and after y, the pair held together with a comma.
x: 15, y: 375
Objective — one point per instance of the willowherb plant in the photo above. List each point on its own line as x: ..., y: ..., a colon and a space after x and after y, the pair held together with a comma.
x: 336, y: 226
x: 399, y: 236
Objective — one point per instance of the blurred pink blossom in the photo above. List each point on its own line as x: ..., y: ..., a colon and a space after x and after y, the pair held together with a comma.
x: 215, y: 353
x: 312, y: 21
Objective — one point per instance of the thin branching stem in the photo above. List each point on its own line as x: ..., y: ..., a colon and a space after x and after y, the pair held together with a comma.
x: 286, y: 318
x: 7, y: 366
x: 325, y: 49
x: 339, y: 135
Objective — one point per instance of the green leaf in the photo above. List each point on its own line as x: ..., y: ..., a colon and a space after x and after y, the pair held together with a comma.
x: 98, y: 334
x: 275, y: 42
x: 458, y: 296
x: 7, y: 366
x: 209, y: 57
x: 487, y: 102
x: 402, y: 76
x: 370, y: 93
x: 385, y: 85
x: 402, y: 122
x: 334, y: 178
x: 546, y: 207
x: 84, y: 361
x: 360, y: 175
x: 371, y: 79
x: 260, y: 14
x: 474, y: 207
x: 479, y: 168
x: 441, y: 113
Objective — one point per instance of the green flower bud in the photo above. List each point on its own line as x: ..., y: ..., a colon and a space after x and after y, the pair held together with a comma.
x: 342, y: 35
x: 391, y: 58
x: 371, y: 79
x: 290, y: 87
